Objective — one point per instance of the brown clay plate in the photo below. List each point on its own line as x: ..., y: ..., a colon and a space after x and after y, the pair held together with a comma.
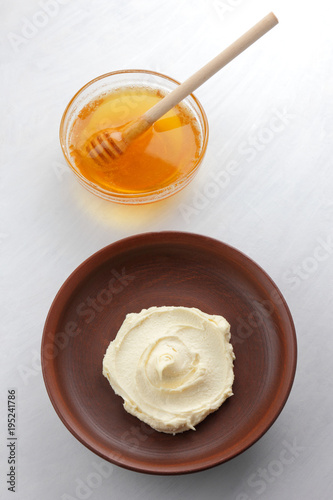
x: 157, y: 269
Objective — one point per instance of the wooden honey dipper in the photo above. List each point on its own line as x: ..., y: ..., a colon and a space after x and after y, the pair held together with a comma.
x: 111, y: 143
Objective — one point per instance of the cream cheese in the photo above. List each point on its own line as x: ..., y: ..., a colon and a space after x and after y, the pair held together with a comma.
x: 171, y: 365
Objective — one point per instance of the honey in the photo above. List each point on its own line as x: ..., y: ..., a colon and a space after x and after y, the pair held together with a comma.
x: 165, y: 153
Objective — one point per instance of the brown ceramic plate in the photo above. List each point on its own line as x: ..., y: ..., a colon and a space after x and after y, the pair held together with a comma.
x: 157, y: 269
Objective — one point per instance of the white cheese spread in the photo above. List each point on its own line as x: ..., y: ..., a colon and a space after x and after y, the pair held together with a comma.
x: 171, y: 365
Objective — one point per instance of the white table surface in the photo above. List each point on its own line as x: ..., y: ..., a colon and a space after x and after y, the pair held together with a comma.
x: 270, y: 114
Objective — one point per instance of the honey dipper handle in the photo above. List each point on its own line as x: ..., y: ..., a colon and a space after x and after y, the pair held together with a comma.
x: 203, y: 74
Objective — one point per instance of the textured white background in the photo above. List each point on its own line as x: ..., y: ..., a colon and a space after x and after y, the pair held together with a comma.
x: 270, y: 112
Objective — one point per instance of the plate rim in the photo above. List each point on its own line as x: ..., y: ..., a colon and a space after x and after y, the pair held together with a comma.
x: 107, y: 252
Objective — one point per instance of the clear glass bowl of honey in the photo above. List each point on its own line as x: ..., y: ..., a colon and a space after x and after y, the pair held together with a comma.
x: 157, y: 164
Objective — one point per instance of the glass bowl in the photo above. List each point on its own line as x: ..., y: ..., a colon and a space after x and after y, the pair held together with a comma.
x: 101, y: 87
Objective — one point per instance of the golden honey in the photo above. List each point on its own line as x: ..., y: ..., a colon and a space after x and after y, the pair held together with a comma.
x: 166, y: 152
